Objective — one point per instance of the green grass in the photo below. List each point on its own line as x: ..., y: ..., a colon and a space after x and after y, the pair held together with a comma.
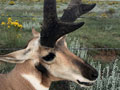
x: 97, y: 31
x: 6, y: 67
x: 9, y: 40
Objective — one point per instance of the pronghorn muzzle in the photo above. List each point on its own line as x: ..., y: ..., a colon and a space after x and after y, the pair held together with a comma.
x: 87, y: 71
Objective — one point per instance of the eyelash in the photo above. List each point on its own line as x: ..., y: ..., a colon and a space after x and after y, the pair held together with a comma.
x: 49, y: 57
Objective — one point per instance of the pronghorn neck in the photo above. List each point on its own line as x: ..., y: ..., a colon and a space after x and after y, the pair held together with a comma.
x: 28, y: 75
x: 35, y: 82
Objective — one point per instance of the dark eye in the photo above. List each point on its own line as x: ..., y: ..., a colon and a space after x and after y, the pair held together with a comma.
x: 49, y: 57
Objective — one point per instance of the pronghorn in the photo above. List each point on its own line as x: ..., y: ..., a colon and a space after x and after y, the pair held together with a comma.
x: 46, y: 57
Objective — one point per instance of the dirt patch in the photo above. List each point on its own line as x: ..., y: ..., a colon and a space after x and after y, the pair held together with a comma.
x: 106, y: 55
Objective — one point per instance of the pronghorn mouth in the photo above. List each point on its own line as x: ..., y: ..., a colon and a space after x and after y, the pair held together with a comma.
x: 85, y: 83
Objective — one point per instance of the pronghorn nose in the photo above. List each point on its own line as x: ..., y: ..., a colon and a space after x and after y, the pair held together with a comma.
x: 92, y: 72
x: 89, y: 72
x: 94, y: 75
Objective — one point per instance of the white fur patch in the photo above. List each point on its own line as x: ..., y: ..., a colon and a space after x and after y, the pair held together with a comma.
x: 34, y: 82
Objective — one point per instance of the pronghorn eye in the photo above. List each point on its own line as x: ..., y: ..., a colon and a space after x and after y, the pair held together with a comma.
x: 49, y: 57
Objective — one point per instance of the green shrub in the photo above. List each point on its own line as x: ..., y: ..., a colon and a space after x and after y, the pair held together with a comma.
x: 111, y: 11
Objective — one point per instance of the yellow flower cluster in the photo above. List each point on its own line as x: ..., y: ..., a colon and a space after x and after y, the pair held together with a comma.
x: 14, y: 23
x: 113, y: 2
x: 11, y: 23
x: 104, y: 15
x: 3, y: 23
x: 11, y: 3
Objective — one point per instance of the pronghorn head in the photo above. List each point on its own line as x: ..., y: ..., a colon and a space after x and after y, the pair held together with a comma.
x: 49, y: 53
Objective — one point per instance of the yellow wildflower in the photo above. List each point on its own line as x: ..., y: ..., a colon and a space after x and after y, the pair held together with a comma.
x: 9, y: 23
x: 20, y: 26
x: 14, y: 23
x: 3, y: 23
x: 16, y: 20
x: 8, y: 27
x: 104, y: 15
x: 9, y: 19
x: 11, y: 3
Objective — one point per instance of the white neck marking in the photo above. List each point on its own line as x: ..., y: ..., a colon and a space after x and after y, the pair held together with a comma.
x: 34, y: 82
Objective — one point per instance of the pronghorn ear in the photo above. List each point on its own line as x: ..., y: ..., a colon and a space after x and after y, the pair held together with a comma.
x: 61, y: 42
x: 15, y: 57
x: 35, y: 33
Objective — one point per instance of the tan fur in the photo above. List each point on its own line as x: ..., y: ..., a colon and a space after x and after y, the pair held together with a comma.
x: 15, y: 81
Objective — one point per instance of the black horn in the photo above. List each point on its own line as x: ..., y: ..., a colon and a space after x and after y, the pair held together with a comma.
x: 75, y: 9
x: 53, y: 28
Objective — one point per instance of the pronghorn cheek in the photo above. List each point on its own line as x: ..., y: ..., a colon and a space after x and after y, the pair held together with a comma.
x: 60, y: 71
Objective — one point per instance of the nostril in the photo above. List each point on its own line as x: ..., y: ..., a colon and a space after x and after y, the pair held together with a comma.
x: 94, y: 75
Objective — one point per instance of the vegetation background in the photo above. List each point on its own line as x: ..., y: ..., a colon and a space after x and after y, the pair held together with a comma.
x: 102, y: 30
